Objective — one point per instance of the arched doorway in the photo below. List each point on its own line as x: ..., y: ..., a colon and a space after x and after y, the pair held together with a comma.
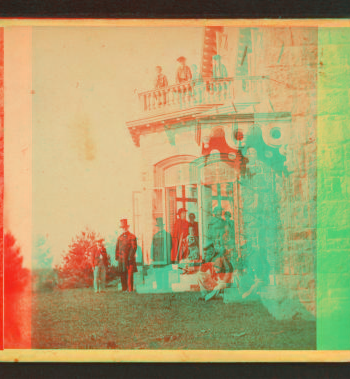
x: 175, y: 187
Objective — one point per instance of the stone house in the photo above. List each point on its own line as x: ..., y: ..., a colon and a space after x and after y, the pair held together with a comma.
x: 245, y: 142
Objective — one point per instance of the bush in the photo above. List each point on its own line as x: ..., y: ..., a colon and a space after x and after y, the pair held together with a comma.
x: 16, y: 277
x: 76, y: 270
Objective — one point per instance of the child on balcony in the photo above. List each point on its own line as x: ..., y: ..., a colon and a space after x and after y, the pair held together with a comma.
x: 161, y: 83
x: 161, y: 80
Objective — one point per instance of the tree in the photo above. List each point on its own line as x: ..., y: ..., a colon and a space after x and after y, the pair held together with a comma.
x: 76, y: 270
x: 1, y: 180
x: 16, y: 277
x: 1, y: 288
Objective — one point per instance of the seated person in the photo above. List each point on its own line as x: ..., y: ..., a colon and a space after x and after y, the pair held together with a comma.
x: 215, y: 272
x: 192, y: 245
x: 193, y: 223
x: 230, y: 223
x: 216, y: 224
x: 229, y: 244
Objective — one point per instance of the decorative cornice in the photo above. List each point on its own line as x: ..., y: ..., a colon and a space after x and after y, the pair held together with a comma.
x: 184, y: 118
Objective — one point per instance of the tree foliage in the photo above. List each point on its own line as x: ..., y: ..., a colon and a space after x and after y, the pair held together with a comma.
x: 16, y: 276
x: 76, y: 270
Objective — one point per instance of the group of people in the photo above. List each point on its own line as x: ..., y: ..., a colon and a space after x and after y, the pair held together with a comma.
x: 183, y: 244
x: 220, y: 258
x: 214, y: 268
x: 186, y: 74
x: 191, y: 76
x: 125, y: 255
x: 185, y: 236
x: 183, y: 74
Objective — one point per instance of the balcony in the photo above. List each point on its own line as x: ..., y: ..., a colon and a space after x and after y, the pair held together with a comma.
x: 213, y: 92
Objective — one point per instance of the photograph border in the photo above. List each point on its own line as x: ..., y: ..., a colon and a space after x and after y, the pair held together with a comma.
x: 183, y: 355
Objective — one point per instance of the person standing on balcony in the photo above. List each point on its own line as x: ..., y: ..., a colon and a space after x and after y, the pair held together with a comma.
x: 196, y: 75
x: 219, y: 70
x: 125, y: 252
x: 198, y: 86
x: 161, y: 83
x: 183, y: 73
x: 161, y: 80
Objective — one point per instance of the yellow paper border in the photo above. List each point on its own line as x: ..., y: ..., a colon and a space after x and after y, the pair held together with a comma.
x: 24, y: 355
x: 180, y: 356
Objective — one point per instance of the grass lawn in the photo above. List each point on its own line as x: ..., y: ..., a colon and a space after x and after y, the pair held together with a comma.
x: 81, y: 319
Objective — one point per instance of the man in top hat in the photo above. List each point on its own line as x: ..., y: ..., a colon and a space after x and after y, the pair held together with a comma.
x: 161, y: 244
x: 179, y: 236
x: 125, y: 252
x: 183, y: 73
x: 215, y: 272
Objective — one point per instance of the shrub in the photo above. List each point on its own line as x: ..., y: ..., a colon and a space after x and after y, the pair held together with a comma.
x: 76, y: 270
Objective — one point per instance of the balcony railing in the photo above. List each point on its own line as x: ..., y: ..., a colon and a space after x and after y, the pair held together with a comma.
x: 194, y: 93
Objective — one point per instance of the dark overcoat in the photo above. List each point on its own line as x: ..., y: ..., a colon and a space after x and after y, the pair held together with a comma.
x: 179, y: 239
x: 125, y: 252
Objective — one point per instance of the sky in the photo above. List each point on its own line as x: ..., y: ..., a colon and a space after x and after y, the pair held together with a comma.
x: 71, y: 162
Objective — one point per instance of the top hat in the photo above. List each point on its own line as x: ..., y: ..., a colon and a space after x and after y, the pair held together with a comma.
x: 181, y: 59
x: 159, y: 221
x: 181, y: 210
x: 124, y: 223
